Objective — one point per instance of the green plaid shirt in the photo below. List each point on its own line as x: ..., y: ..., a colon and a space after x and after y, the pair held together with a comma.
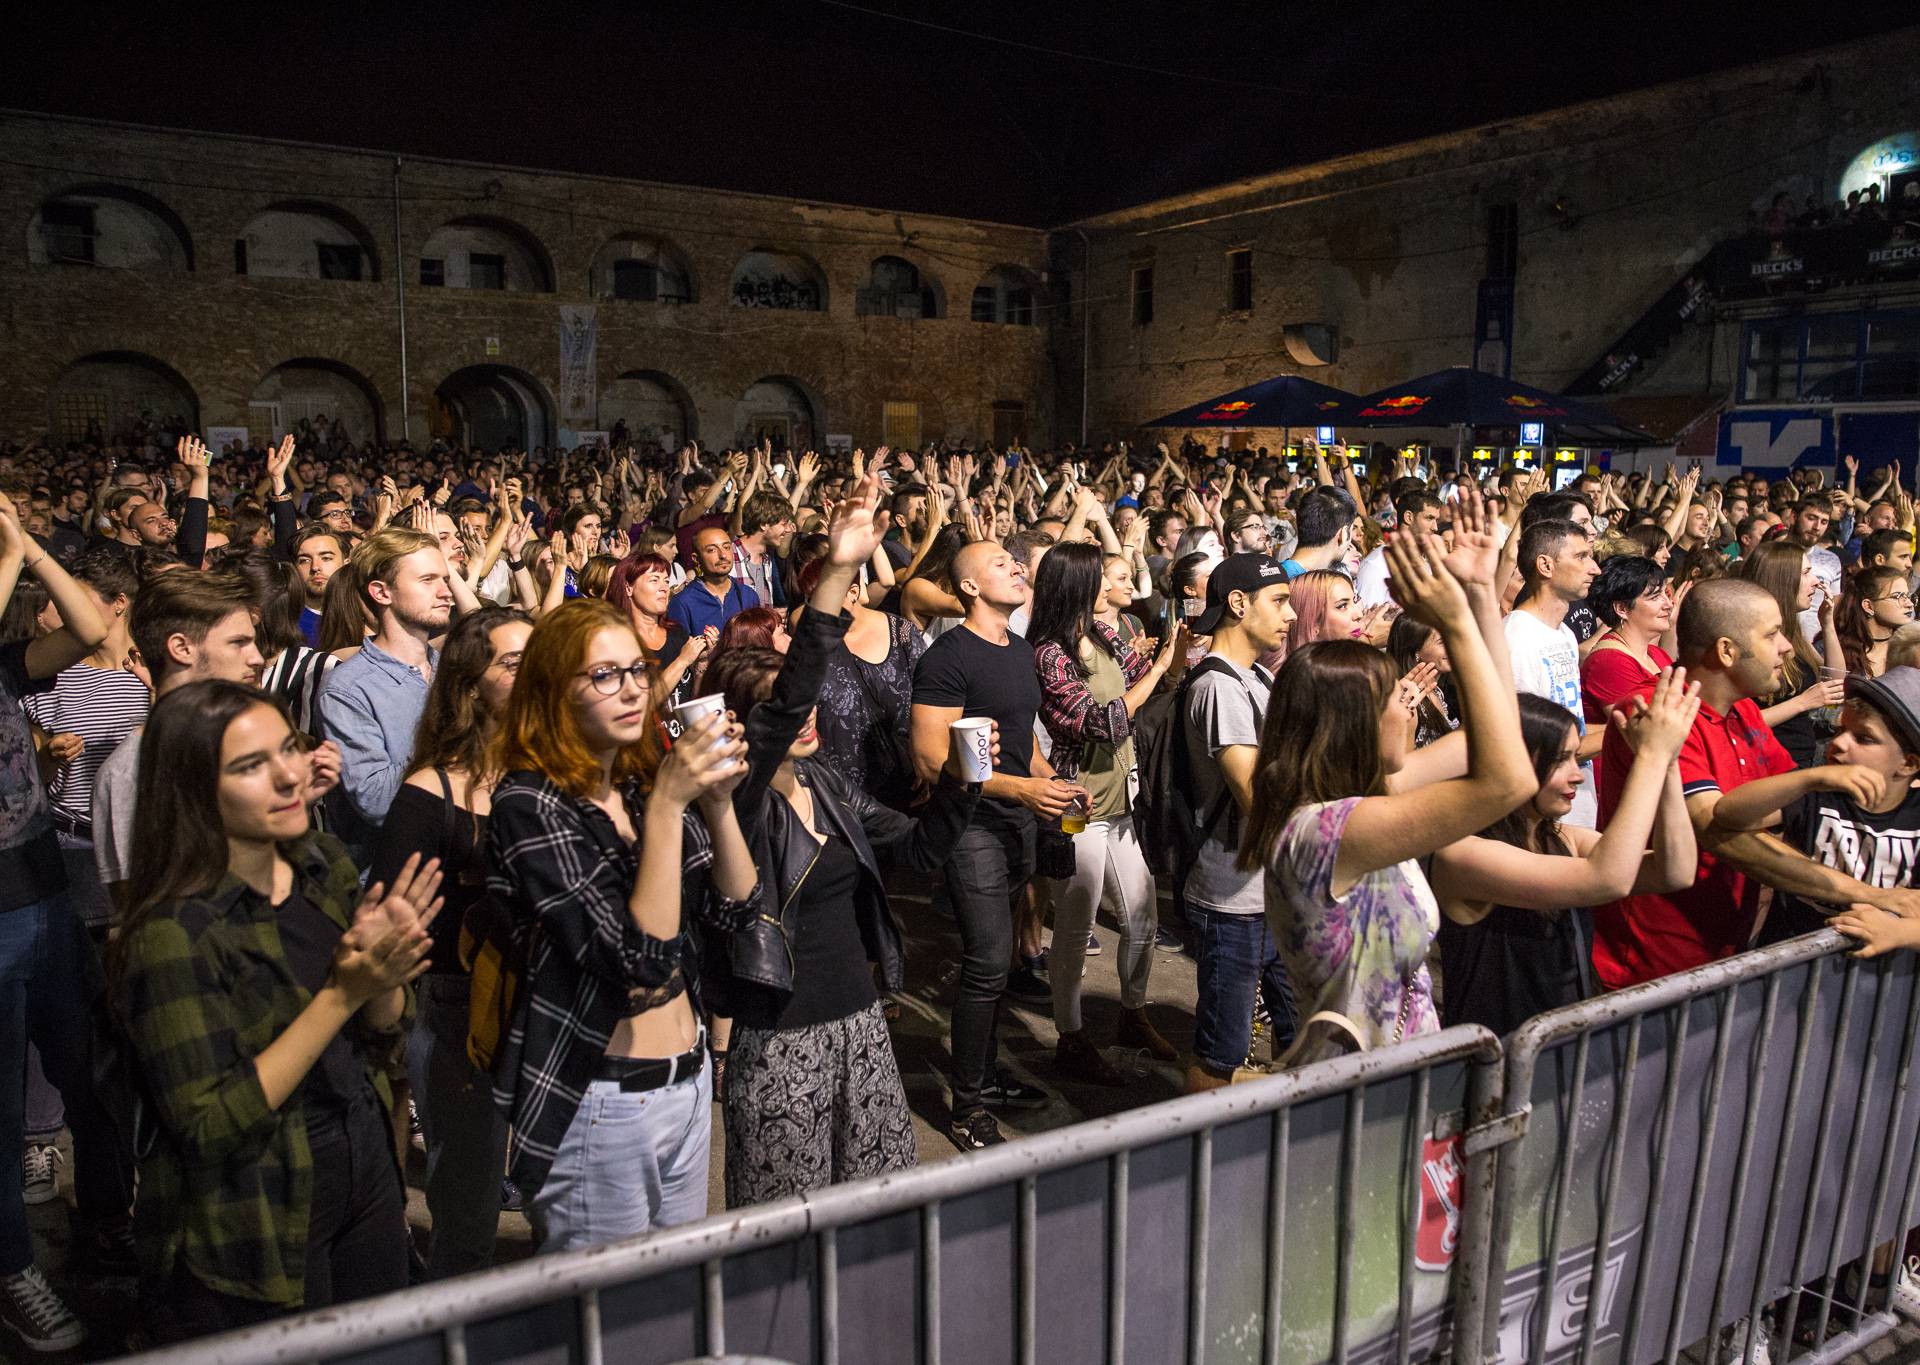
x: 229, y: 1183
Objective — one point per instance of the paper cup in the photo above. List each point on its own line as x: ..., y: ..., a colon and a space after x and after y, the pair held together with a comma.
x: 690, y: 713
x: 974, y: 735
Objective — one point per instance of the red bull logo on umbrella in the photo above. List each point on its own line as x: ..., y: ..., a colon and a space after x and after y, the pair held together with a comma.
x: 1389, y: 407
x: 1536, y: 406
x: 1224, y: 412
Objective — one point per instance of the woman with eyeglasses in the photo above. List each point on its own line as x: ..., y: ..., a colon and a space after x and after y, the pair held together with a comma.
x: 441, y: 812
x: 606, y: 856
x: 1876, y: 604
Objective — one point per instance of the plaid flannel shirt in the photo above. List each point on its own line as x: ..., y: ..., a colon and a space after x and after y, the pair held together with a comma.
x: 566, y: 874
x: 1067, y: 708
x: 229, y: 1185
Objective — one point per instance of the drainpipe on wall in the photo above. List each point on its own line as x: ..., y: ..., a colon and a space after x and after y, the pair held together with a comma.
x: 1086, y: 331
x: 400, y: 302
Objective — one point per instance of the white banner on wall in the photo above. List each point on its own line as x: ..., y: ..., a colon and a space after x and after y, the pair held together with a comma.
x: 577, y: 342
x: 219, y: 438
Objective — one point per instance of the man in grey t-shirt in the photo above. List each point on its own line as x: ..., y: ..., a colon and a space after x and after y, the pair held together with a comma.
x: 1247, y: 614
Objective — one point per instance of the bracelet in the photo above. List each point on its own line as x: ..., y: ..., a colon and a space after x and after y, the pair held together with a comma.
x: 516, y: 564
x: 36, y: 563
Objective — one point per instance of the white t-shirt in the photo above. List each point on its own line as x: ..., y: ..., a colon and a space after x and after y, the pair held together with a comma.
x: 1370, y: 579
x: 1546, y: 662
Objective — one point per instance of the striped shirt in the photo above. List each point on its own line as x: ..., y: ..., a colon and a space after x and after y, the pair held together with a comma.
x: 102, y: 706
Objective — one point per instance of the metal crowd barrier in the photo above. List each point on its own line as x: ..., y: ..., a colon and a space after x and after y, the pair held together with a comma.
x: 1700, y: 1148
x: 1627, y: 1176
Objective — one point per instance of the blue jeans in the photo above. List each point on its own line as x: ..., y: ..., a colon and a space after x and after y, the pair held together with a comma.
x: 466, y: 1136
x: 1237, y: 956
x: 631, y: 1161
x: 49, y: 981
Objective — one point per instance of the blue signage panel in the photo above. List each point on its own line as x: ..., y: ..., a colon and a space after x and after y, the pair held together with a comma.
x: 1776, y: 438
x: 1533, y: 433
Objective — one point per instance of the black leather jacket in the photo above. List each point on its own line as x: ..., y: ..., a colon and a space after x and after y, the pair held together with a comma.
x: 783, y: 849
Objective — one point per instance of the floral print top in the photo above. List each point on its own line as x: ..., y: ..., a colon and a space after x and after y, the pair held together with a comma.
x: 1362, y: 956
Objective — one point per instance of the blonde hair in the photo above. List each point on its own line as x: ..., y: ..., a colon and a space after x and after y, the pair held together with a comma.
x: 375, y: 558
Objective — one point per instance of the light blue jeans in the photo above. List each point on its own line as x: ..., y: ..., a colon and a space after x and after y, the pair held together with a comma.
x: 466, y: 1136
x: 631, y: 1162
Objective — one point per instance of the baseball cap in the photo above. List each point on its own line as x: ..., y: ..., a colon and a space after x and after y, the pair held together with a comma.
x: 1246, y: 573
x: 1895, y: 694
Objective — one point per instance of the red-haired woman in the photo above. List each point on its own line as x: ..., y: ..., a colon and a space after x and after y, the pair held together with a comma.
x: 641, y: 586
x: 603, y: 1072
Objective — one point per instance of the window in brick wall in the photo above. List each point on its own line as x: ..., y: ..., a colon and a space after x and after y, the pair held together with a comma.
x: 901, y: 423
x: 637, y: 280
x: 68, y: 231
x: 78, y: 410
x: 339, y: 262
x: 433, y: 273
x: 486, y: 271
x: 1142, y: 295
x: 1240, y: 280
x: 239, y: 255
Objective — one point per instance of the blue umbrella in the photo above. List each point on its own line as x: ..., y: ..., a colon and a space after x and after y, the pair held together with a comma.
x: 1288, y: 401
x: 1460, y: 397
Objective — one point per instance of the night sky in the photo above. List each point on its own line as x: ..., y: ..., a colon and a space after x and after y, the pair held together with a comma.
x: 1058, y: 111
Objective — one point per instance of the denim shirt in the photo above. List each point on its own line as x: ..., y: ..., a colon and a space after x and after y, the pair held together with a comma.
x: 370, y: 707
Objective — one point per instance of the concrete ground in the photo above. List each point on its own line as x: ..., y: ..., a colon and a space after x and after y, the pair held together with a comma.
x: 1027, y: 1044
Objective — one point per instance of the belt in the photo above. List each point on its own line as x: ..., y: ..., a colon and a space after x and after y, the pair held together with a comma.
x: 71, y: 825
x: 652, y: 1073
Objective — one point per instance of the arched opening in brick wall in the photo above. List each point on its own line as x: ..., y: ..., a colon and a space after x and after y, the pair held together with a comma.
x: 781, y: 408
x: 895, y: 288
x: 119, y: 394
x: 641, y: 268
x: 655, y: 407
x: 478, y: 252
x: 493, y: 407
x: 311, y: 396
x: 769, y: 278
x: 306, y: 240
x: 111, y: 227
x: 1006, y: 294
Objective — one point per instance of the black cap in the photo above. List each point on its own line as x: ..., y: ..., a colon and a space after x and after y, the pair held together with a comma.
x: 1895, y: 694
x: 1246, y: 573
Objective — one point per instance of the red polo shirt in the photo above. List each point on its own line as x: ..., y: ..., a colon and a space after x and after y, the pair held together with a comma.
x: 1643, y: 937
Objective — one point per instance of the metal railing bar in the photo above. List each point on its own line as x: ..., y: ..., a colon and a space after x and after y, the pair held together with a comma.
x: 1413, y: 1156
x: 1770, y: 1227
x: 1029, y: 1233
x: 1478, y: 1261
x: 713, y: 1308
x: 930, y: 1284
x: 591, y: 1347
x: 1744, y: 1160
x: 827, y: 1307
x: 1696, y: 1199
x: 1562, y: 1189
x: 1616, y: 1157
x: 1276, y: 1232
x: 1884, y: 1178
x: 1795, y: 1271
x: 1851, y: 1168
x: 1118, y: 1169
x: 1199, y: 1212
x: 1344, y: 1224
x: 1681, y: 1019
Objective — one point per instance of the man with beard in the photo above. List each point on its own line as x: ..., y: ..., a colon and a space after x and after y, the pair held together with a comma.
x: 909, y: 524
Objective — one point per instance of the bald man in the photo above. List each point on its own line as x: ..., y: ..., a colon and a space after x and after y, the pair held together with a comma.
x: 981, y: 668
x: 1732, y: 643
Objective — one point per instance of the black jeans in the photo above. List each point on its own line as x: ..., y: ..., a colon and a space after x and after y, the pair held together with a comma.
x: 356, y: 1232
x: 992, y: 859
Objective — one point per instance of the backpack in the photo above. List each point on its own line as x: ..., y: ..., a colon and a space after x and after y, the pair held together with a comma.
x: 1171, y: 832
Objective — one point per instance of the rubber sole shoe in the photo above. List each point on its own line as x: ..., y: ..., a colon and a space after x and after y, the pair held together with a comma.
x: 975, y: 1132
x: 1004, y: 1092
x: 36, y: 1315
x: 42, y: 1162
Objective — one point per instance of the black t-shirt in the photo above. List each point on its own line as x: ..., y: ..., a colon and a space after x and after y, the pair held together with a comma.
x: 899, y: 553
x: 31, y: 868
x: 982, y: 679
x: 1881, y: 850
x: 337, y: 1081
x: 1512, y: 965
x: 831, y: 978
x: 428, y: 823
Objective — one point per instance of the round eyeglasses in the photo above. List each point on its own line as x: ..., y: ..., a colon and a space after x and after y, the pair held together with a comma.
x: 608, y: 680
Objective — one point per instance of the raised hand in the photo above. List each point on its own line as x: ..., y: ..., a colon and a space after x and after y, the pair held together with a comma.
x: 707, y: 761
x: 413, y: 899
x: 860, y: 521
x: 369, y: 963
x: 323, y: 772
x: 194, y: 454
x: 1421, y: 584
x: 1475, y: 557
x: 618, y: 544
x: 279, y: 461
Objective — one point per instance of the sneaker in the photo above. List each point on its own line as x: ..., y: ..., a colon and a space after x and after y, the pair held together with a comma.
x: 975, y: 1132
x: 1166, y: 941
x: 1002, y: 1091
x: 511, y: 1200
x: 1027, y: 984
x: 1093, y: 945
x: 43, y: 1161
x: 35, y: 1314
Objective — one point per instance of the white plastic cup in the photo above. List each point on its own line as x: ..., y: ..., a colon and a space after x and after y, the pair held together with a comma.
x: 974, y: 736
x: 690, y: 713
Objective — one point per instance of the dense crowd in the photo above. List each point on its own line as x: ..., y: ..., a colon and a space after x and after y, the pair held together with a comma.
x: 556, y: 796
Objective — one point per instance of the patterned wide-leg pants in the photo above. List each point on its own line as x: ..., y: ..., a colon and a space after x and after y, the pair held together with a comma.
x: 814, y: 1106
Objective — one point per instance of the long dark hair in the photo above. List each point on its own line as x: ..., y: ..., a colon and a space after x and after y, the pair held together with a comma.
x: 1321, y: 740
x: 276, y: 599
x: 1543, y: 729
x: 1066, y: 593
x: 455, y: 728
x: 179, y: 839
x: 1777, y: 566
x: 938, y: 564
